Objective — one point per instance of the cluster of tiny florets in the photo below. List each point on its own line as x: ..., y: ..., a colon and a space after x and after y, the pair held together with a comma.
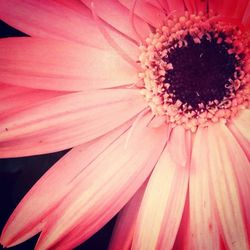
x: 171, y: 35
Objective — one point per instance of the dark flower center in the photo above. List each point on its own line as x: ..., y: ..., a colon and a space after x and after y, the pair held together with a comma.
x: 195, y: 70
x: 202, y: 72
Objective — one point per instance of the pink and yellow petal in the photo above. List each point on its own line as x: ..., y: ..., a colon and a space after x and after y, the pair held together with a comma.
x: 123, y: 232
x: 239, y: 128
x: 115, y: 14
x: 242, y: 141
x: 46, y: 19
x: 163, y: 202
x: 66, y: 121
x: 60, y: 65
x: 241, y: 122
x: 146, y: 11
x: 124, y: 168
x: 27, y: 218
x: 228, y: 204
x: 241, y: 167
x: 203, y: 230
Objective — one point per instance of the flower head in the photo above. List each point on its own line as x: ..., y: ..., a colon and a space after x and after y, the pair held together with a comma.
x: 153, y: 99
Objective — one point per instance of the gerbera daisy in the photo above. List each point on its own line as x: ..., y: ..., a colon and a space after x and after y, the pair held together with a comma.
x: 153, y: 98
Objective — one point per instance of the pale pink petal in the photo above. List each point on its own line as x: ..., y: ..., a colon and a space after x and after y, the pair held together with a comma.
x: 225, y: 188
x: 203, y: 231
x: 104, y: 187
x: 125, y: 42
x: 182, y: 240
x: 240, y: 128
x: 114, y: 13
x: 66, y: 20
x: 61, y: 110
x: 42, y: 198
x: 242, y: 171
x: 241, y: 122
x: 123, y: 232
x: 66, y: 121
x: 69, y: 20
x: 129, y: 46
x: 163, y: 202
x: 243, y: 141
x: 147, y: 12
x: 61, y: 65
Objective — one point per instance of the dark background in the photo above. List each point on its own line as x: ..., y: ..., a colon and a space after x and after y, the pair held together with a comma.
x: 17, y: 175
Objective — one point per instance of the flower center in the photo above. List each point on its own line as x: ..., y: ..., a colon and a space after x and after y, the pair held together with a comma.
x: 194, y: 70
x: 202, y: 72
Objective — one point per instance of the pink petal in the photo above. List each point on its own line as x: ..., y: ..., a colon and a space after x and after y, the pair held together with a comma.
x: 103, y: 188
x: 241, y: 122
x: 240, y: 8
x: 123, y: 232
x: 61, y: 65
x: 67, y: 20
x: 157, y: 3
x: 190, y: 5
x: 182, y: 238
x: 42, y: 198
x: 243, y: 141
x: 7, y: 90
x: 229, y: 8
x: 66, y: 121
x: 175, y: 5
x: 14, y: 99
x: 203, y: 230
x: 124, y: 42
x: 246, y: 17
x: 202, y: 5
x: 240, y: 128
x: 147, y: 12
x: 241, y: 167
x: 115, y: 14
x: 162, y: 206
x: 226, y: 189
x: 216, y: 6
x: 195, y: 6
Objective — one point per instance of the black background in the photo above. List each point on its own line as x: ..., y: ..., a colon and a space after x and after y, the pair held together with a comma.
x: 17, y: 176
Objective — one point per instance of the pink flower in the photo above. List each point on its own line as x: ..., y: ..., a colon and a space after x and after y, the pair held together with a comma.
x: 153, y: 97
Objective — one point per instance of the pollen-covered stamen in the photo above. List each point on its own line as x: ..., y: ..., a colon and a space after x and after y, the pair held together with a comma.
x: 194, y: 70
